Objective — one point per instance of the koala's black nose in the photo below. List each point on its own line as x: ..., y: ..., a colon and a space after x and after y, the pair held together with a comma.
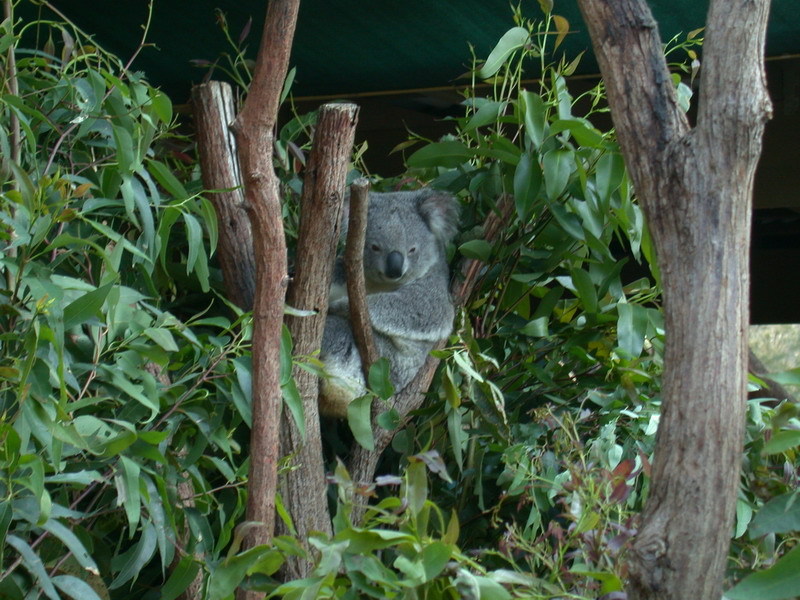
x: 394, y: 265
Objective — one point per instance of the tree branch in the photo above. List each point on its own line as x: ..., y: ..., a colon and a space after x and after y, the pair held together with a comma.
x: 254, y: 133
x: 645, y: 109
x: 741, y: 70
x: 360, y: 322
x: 696, y: 191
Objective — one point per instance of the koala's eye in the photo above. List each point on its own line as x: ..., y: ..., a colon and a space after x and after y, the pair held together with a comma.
x: 412, y: 250
x: 375, y: 247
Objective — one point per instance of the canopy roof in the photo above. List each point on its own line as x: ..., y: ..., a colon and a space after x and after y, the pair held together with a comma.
x: 362, y: 46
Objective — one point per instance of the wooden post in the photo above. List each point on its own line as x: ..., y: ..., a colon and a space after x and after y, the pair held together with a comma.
x: 219, y: 164
x: 304, y: 488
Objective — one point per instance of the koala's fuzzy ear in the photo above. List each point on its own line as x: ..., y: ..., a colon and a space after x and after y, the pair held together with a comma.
x: 440, y: 211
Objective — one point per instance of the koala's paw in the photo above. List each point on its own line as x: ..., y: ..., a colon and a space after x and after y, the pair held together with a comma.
x: 336, y: 394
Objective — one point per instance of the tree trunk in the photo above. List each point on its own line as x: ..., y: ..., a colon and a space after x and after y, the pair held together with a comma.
x: 695, y: 186
x: 304, y: 489
x: 213, y: 114
x: 254, y: 129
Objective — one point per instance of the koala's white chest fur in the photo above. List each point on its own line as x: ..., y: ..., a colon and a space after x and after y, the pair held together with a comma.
x: 407, y: 281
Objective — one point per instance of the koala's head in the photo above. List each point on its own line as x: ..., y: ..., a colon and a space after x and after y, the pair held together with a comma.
x: 406, y: 235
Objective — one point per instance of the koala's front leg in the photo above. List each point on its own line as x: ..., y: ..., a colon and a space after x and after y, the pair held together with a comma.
x: 411, y: 314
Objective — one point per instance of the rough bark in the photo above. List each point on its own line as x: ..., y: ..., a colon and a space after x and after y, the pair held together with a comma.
x: 254, y: 130
x: 304, y: 488
x: 213, y: 114
x: 695, y: 186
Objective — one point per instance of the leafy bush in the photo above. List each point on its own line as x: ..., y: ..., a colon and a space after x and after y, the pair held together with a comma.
x: 546, y: 410
x: 550, y: 393
x: 115, y: 412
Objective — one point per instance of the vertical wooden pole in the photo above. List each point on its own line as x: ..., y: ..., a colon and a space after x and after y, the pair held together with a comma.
x: 219, y: 163
x: 304, y: 489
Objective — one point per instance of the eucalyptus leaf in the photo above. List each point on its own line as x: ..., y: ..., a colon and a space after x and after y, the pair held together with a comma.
x: 534, y: 117
x: 33, y: 564
x: 780, y: 582
x: 782, y: 441
x: 557, y: 166
x: 447, y: 154
x: 86, y: 307
x: 512, y: 40
x: 227, y: 576
x: 477, y: 249
x: 380, y: 380
x: 415, y: 489
x: 73, y: 543
x: 527, y: 183
x: 359, y: 420
x: 487, y: 114
x: 585, y: 289
x: 779, y: 515
x: 179, y: 579
x: 75, y: 588
x: 134, y: 560
x: 632, y: 325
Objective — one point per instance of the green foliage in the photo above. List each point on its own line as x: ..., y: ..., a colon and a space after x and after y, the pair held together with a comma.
x: 114, y: 412
x: 548, y: 404
x: 125, y: 384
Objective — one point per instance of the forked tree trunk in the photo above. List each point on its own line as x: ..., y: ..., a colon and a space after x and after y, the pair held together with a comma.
x: 695, y: 186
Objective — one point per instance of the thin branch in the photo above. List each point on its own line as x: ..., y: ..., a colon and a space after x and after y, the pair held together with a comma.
x: 13, y: 84
x: 13, y: 88
x: 361, y: 324
x: 634, y: 40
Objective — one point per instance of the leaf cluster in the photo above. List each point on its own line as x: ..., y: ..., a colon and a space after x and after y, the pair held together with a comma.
x: 116, y: 416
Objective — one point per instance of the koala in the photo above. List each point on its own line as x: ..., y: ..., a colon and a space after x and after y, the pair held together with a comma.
x: 407, y: 284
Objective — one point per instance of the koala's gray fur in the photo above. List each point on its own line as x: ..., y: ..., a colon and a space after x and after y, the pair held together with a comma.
x: 408, y: 298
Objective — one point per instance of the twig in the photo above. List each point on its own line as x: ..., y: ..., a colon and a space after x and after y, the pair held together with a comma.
x: 13, y: 84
